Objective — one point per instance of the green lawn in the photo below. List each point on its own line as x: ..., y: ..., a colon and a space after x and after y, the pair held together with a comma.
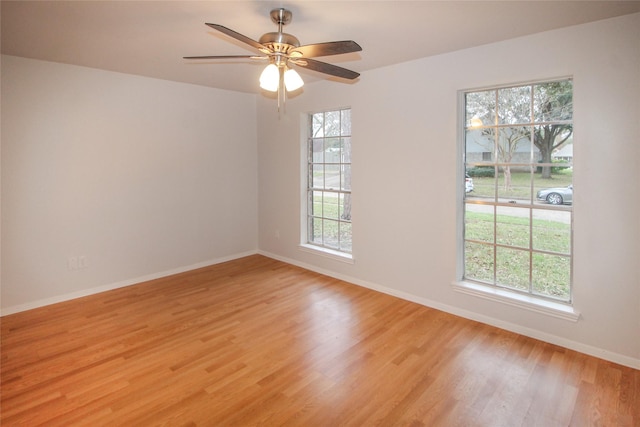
x: 520, y: 184
x: 329, y: 229
x: 550, y: 273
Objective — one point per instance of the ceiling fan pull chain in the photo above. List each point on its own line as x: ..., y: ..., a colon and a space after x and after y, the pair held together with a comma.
x: 281, y: 89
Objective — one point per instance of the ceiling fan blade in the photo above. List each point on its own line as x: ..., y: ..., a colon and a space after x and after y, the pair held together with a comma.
x: 325, y: 68
x: 240, y: 37
x: 225, y: 57
x: 328, y: 48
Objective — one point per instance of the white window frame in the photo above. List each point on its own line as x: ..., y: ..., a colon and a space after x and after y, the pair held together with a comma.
x: 306, y: 243
x: 525, y: 300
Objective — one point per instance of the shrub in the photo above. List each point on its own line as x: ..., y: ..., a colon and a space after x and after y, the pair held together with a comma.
x: 562, y: 165
x: 559, y: 169
x: 482, y: 171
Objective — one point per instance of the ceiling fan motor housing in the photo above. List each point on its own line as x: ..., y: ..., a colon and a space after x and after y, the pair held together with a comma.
x: 279, y: 42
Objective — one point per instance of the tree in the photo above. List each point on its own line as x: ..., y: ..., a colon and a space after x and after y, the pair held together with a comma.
x: 504, y: 118
x: 506, y: 147
x: 553, y: 102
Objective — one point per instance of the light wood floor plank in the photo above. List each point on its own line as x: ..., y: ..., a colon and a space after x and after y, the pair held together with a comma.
x: 258, y: 342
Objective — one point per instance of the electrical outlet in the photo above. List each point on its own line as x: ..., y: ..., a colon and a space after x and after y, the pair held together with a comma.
x: 277, y: 234
x: 75, y: 263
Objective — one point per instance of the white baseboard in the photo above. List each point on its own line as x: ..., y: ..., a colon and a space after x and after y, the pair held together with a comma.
x: 508, y: 326
x: 96, y: 290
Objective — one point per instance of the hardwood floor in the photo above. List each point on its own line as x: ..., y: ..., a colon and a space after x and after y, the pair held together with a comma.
x: 259, y: 342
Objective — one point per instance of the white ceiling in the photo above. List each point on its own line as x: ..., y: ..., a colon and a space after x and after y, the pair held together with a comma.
x: 149, y: 38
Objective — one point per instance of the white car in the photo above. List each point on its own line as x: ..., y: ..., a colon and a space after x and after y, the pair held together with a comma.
x: 468, y: 183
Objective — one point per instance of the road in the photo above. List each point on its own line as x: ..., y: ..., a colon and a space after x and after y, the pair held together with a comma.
x: 545, y: 214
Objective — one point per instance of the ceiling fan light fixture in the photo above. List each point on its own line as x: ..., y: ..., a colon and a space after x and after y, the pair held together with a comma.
x: 270, y: 78
x: 292, y: 80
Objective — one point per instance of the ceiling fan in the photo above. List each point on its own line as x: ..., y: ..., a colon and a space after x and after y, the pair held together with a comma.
x: 283, y: 51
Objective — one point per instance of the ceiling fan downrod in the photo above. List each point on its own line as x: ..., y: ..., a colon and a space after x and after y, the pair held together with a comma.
x: 281, y: 17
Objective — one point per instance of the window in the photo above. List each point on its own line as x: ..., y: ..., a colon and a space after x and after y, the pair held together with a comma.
x: 517, y: 219
x: 328, y: 204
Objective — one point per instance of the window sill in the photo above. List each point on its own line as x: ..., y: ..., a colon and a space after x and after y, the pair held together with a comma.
x: 515, y: 299
x: 328, y: 253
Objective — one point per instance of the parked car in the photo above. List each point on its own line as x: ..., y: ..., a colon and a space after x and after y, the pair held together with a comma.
x: 556, y: 196
x: 468, y: 183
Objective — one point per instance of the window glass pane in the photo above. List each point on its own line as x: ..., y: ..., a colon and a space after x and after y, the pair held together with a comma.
x: 483, y: 180
x: 512, y: 268
x: 317, y: 125
x: 330, y: 233
x: 514, y: 184
x: 514, y: 105
x: 552, y: 230
x: 345, y: 206
x: 318, y: 150
x: 316, y: 229
x: 317, y: 203
x: 345, y: 122
x: 551, y: 275
x: 479, y: 222
x: 332, y: 150
x: 346, y: 177
x: 330, y: 208
x: 514, y: 145
x: 480, y: 108
x: 318, y: 176
x: 332, y: 123
x: 554, y: 147
x: 536, y: 156
x: 478, y: 142
x: 345, y: 236
x: 478, y: 260
x: 345, y: 148
x: 553, y: 101
x: 332, y: 176
x: 512, y: 226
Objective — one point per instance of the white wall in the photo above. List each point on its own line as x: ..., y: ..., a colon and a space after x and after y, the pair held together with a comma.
x: 143, y: 177
x: 404, y: 122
